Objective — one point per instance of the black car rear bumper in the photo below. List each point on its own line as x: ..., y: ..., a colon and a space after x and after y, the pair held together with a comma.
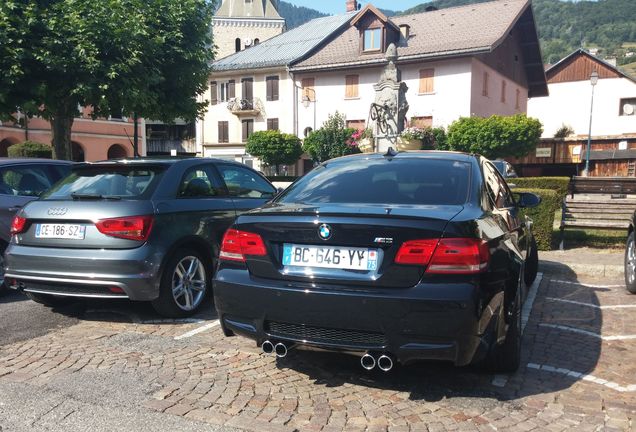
x: 431, y: 321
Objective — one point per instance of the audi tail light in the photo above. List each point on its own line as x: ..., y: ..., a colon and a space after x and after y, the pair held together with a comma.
x: 18, y: 225
x: 237, y: 245
x: 131, y: 228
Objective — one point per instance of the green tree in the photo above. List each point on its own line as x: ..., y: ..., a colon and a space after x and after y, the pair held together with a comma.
x: 147, y: 57
x: 495, y: 136
x: 332, y: 140
x: 274, y: 148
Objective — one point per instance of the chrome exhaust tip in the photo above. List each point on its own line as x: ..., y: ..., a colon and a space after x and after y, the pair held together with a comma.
x: 367, y: 361
x: 267, y: 347
x: 281, y: 350
x: 385, y: 363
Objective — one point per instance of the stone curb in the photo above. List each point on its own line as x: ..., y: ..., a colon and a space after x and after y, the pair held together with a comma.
x: 609, y: 270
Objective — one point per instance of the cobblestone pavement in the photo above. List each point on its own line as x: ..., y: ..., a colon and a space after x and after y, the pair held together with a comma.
x: 578, y: 373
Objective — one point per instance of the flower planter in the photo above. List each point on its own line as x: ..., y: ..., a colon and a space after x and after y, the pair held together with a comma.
x: 404, y: 144
x: 365, y: 145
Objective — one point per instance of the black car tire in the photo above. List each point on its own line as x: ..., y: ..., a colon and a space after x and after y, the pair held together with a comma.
x: 507, y: 356
x: 630, y: 264
x: 3, y: 286
x: 532, y: 264
x: 167, y: 304
x: 50, y: 300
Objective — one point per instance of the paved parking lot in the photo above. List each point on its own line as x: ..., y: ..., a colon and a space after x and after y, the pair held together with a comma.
x: 116, y: 366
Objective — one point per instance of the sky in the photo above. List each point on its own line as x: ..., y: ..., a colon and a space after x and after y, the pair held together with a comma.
x: 338, y: 6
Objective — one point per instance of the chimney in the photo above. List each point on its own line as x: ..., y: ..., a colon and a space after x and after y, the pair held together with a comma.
x: 352, y: 5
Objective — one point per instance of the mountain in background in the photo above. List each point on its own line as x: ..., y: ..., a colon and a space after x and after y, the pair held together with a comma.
x: 563, y: 26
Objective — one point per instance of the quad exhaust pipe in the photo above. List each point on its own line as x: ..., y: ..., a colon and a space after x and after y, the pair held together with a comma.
x: 384, y: 362
x: 280, y: 349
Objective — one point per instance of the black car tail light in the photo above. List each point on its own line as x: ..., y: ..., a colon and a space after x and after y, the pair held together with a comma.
x: 18, y: 225
x: 131, y: 227
x: 416, y: 252
x: 459, y: 256
x: 237, y: 245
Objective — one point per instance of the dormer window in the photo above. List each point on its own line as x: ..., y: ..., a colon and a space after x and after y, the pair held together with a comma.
x: 373, y: 39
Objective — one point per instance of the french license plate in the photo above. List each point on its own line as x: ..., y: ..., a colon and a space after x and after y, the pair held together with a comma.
x: 330, y: 257
x: 60, y: 231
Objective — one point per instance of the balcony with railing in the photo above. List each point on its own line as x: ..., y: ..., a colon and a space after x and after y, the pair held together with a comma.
x: 245, y: 107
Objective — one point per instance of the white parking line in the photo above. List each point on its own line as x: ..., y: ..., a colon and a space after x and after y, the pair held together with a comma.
x: 591, y: 305
x: 585, y: 284
x: 588, y: 333
x: 584, y: 377
x: 173, y: 321
x: 500, y: 380
x: 197, y: 330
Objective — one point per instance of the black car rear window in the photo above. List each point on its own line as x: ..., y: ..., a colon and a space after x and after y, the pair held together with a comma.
x: 412, y: 181
x: 107, y: 182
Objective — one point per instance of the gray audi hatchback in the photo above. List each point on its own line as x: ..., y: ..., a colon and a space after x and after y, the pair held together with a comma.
x: 142, y: 229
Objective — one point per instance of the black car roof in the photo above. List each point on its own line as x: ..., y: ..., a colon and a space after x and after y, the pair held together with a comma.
x: 20, y: 161
x: 421, y: 154
x: 158, y: 161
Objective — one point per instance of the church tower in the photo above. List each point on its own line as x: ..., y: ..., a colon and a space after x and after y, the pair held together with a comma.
x: 240, y: 24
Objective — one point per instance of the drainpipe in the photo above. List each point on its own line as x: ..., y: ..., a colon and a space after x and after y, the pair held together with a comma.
x: 295, y: 102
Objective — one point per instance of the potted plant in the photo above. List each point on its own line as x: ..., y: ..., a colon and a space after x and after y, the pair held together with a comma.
x: 363, y: 139
x: 411, y: 138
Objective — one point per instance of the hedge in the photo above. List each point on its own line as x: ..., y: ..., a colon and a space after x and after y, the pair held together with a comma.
x: 30, y: 149
x: 543, y: 215
x: 558, y: 184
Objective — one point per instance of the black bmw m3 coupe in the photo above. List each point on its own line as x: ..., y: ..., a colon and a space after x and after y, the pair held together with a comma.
x: 396, y: 258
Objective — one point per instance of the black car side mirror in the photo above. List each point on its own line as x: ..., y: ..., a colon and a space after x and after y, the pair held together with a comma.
x: 527, y: 199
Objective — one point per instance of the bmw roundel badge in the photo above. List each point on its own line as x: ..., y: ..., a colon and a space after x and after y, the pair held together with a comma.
x: 324, y: 231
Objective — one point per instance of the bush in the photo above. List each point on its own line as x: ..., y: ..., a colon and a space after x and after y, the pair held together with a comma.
x: 495, y: 136
x: 558, y: 184
x: 564, y: 131
x: 543, y: 215
x: 332, y: 140
x: 274, y: 148
x: 30, y: 149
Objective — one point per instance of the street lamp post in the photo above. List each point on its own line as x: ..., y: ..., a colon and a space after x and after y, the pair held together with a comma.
x: 307, y: 100
x: 593, y: 81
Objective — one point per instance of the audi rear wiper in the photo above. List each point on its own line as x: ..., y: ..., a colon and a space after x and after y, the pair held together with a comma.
x: 80, y: 196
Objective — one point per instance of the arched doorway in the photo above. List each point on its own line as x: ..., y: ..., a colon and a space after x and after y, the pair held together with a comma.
x: 77, y: 152
x: 117, y: 151
x: 5, y: 144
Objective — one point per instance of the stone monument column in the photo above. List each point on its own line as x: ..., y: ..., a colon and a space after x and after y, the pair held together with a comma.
x: 388, y: 112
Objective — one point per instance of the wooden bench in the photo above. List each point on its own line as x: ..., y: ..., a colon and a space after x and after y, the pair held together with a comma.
x: 602, y: 203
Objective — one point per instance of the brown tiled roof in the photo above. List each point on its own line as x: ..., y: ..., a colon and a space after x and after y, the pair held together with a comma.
x: 447, y: 32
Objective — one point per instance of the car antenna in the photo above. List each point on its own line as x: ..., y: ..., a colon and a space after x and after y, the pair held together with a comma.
x: 390, y: 153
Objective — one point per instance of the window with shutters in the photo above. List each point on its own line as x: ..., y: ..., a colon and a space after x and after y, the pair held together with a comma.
x: 351, y: 86
x: 427, y: 83
x: 213, y: 93
x: 226, y: 91
x: 224, y: 132
x: 422, y: 122
x: 272, y: 88
x: 503, y: 91
x: 272, y: 124
x: 373, y: 39
x: 248, y: 89
x: 484, y: 89
x: 248, y: 129
x: 308, y: 89
x: 518, y: 99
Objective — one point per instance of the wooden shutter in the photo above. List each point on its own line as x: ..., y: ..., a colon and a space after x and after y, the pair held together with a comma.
x: 248, y: 89
x: 214, y: 99
x: 231, y: 89
x: 272, y: 124
x: 427, y: 84
x: 503, y: 91
x: 272, y: 88
x: 484, y: 91
x: 351, y: 87
x: 308, y: 89
x: 223, y: 132
x: 248, y: 129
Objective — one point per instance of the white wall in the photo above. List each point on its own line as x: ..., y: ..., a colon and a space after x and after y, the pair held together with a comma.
x: 449, y: 101
x: 569, y: 103
x: 281, y: 109
x: 491, y: 104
